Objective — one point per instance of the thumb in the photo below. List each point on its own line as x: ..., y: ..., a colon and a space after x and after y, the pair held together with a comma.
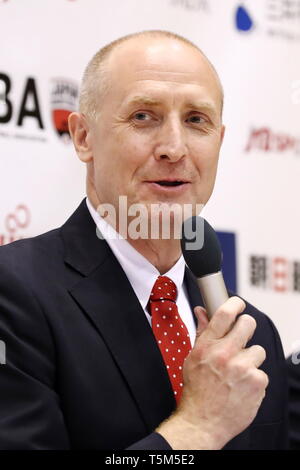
x: 202, y: 318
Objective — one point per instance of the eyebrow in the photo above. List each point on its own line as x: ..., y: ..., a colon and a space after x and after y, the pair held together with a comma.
x: 148, y: 100
x: 202, y: 106
x: 143, y: 99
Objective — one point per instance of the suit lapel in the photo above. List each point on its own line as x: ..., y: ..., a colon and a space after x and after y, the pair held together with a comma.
x: 193, y: 291
x: 107, y: 298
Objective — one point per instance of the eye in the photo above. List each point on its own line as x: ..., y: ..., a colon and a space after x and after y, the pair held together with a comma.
x: 140, y: 116
x: 196, y: 119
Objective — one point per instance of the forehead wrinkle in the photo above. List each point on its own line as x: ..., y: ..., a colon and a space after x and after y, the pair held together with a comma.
x: 189, y: 101
x: 187, y: 81
x: 204, y: 73
x: 195, y: 82
x: 155, y: 71
x: 191, y: 78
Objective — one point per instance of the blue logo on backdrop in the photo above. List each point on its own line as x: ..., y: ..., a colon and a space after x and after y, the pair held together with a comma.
x: 228, y: 244
x: 243, y: 20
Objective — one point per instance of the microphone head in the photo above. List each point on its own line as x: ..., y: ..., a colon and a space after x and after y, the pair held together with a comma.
x: 200, y: 247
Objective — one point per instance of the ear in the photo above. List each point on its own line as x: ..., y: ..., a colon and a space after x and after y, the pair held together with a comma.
x: 81, y: 135
x: 222, y: 133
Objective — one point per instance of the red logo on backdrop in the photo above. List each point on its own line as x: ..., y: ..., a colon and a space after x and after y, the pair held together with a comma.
x: 280, y: 274
x: 14, y: 222
x: 276, y: 273
x: 64, y: 96
x: 264, y: 139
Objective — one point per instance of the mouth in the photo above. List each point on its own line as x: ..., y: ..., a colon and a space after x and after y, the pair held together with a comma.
x: 169, y: 182
x: 169, y: 185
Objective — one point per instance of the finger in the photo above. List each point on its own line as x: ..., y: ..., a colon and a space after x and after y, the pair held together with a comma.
x: 263, y: 377
x: 202, y: 319
x: 245, y: 365
x: 253, y: 356
x: 242, y: 331
x: 224, y: 318
x: 257, y: 354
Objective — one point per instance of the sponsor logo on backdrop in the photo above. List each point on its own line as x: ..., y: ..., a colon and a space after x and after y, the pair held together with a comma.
x: 266, y: 140
x: 243, y: 19
x: 274, y: 273
x: 193, y: 5
x: 283, y: 19
x: 27, y: 118
x: 21, y: 113
x: 64, y: 96
x: 279, y: 18
x: 229, y: 263
x: 15, y: 223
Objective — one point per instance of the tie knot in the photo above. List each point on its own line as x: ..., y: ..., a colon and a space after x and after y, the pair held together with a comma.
x: 164, y: 289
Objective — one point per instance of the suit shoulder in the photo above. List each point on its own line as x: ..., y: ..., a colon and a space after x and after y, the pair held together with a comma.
x: 261, y: 318
x: 27, y: 246
x: 22, y: 257
x: 266, y: 333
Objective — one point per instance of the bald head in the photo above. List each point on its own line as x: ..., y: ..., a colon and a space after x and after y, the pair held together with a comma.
x: 118, y: 54
x: 150, y: 110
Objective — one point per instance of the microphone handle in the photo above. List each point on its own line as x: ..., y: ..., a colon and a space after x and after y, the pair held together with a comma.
x: 213, y: 291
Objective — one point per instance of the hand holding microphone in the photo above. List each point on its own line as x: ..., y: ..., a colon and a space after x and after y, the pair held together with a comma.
x: 223, y: 387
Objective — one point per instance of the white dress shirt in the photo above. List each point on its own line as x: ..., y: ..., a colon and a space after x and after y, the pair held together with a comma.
x: 142, y: 274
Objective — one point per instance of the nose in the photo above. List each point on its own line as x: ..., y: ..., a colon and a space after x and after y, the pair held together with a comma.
x: 171, y: 144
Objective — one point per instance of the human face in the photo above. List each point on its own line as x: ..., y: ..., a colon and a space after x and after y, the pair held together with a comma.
x: 160, y: 120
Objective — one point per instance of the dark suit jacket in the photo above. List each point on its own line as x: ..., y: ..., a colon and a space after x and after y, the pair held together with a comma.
x: 294, y: 400
x: 83, y: 368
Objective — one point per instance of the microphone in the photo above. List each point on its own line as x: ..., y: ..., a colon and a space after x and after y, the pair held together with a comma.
x: 202, y: 252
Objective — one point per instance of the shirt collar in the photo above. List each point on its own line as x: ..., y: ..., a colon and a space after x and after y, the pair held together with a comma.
x: 139, y: 271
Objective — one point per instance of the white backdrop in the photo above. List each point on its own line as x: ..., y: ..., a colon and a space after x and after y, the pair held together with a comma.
x: 255, y: 46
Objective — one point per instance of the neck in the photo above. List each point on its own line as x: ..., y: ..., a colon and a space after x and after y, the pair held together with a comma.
x: 161, y: 253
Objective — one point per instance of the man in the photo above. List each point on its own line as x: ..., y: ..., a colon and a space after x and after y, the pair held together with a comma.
x: 88, y: 356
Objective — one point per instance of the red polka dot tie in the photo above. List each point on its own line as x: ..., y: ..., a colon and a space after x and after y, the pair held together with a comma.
x: 170, y: 332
